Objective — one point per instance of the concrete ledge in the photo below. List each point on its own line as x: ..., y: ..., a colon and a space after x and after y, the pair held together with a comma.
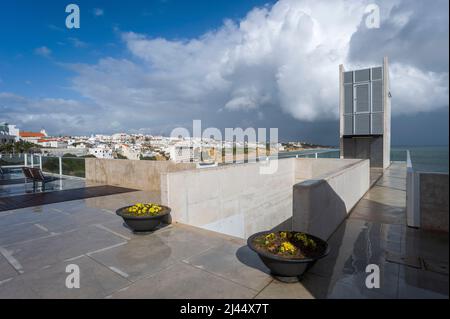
x: 238, y: 200
x: 141, y: 175
x: 321, y: 204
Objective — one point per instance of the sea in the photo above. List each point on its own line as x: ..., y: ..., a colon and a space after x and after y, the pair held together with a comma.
x: 423, y: 158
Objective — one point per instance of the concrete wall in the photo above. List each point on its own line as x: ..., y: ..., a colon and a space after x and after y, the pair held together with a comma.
x: 237, y: 200
x: 307, y: 168
x: 364, y: 147
x: 434, y: 209
x: 322, y: 203
x: 234, y: 199
x: 141, y: 175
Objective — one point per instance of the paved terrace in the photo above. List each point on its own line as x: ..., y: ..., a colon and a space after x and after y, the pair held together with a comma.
x: 180, y: 261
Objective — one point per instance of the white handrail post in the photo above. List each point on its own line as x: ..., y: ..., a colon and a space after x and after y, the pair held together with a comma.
x: 412, y: 194
x: 32, y: 160
x: 40, y: 161
x: 60, y: 166
x: 25, y: 159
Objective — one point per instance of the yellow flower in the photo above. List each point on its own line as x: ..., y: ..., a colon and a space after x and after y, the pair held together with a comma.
x: 287, y: 247
x: 144, y: 208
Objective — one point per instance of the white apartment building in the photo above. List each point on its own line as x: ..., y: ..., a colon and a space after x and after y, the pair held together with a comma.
x: 101, y: 151
x: 54, y: 143
x: 79, y: 145
x: 182, y: 153
x: 14, y: 131
x: 129, y: 152
x: 6, y: 138
x: 119, y: 137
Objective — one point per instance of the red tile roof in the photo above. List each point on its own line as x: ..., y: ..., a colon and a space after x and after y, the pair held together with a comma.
x: 31, y: 134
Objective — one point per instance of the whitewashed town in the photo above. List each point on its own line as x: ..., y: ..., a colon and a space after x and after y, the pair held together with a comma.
x: 139, y: 146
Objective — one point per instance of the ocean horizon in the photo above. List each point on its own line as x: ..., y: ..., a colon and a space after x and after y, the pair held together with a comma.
x: 423, y: 158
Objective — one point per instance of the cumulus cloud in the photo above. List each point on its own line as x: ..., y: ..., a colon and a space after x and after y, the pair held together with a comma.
x: 43, y: 51
x: 416, y: 91
x: 98, y: 12
x: 77, y: 43
x: 280, y: 59
x: 411, y: 32
x: 59, y: 116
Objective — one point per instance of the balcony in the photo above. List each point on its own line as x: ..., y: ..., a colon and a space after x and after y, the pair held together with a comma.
x: 185, y: 261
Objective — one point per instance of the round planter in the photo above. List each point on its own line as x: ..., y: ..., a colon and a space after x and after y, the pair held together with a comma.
x: 284, y: 266
x: 143, y: 223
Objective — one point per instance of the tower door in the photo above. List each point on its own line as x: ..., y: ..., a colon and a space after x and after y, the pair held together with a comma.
x: 362, y: 109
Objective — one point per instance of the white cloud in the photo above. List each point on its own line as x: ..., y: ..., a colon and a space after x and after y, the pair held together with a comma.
x: 415, y: 91
x: 98, y: 12
x: 278, y: 59
x: 43, y: 51
x: 281, y: 58
x: 59, y: 116
x: 77, y: 43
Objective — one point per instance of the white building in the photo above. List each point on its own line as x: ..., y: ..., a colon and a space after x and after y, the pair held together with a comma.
x: 79, y: 145
x: 129, y: 152
x: 101, y: 151
x: 182, y: 153
x: 5, y: 136
x: 53, y: 142
x: 33, y: 137
x: 14, y: 131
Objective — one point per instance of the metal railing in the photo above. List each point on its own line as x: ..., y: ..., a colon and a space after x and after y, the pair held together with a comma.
x: 412, y: 194
x: 323, y: 153
x: 56, y: 165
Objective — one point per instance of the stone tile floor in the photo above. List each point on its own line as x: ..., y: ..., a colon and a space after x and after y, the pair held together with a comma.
x: 179, y: 261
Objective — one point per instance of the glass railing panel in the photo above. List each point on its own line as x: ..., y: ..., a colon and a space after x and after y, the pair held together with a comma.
x: 74, y: 166
x: 11, y: 159
x: 50, y: 164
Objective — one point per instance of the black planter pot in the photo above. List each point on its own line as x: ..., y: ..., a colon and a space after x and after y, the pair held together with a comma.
x: 287, y: 267
x: 143, y: 223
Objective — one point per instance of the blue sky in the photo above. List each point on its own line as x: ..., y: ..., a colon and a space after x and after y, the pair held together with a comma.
x: 28, y: 25
x: 150, y: 66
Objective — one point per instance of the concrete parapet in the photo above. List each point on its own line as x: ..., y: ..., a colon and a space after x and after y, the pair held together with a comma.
x: 322, y: 203
x: 141, y: 175
x: 237, y: 200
